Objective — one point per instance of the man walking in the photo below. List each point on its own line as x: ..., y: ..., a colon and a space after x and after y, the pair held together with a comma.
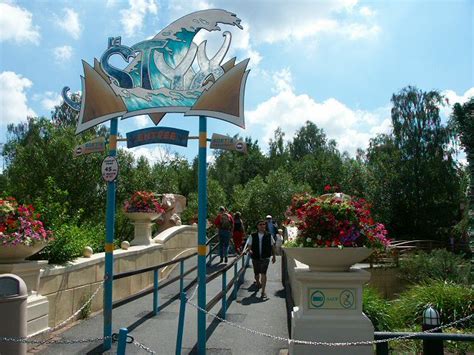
x: 225, y: 224
x: 261, y: 246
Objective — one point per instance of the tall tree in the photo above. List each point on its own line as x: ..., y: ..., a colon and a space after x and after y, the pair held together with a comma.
x: 462, y: 120
x: 428, y: 201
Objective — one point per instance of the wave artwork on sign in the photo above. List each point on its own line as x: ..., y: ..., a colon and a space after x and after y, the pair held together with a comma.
x: 167, y: 73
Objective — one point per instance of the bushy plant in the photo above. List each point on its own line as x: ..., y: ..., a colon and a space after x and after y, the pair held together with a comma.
x: 338, y: 220
x: 438, y: 265
x: 377, y: 309
x: 453, y: 302
x: 70, y: 240
x: 143, y: 201
x: 19, y: 224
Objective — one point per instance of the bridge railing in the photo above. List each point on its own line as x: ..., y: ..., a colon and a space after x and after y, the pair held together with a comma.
x: 156, y: 284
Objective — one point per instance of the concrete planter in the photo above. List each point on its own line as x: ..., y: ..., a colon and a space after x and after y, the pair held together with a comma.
x: 18, y: 253
x: 329, y: 259
x: 143, y: 223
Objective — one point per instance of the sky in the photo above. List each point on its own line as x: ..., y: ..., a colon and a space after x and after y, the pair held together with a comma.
x: 335, y: 63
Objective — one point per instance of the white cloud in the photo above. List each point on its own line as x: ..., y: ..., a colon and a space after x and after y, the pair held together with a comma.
x: 62, y: 54
x: 13, y: 100
x: 16, y: 25
x: 70, y: 23
x: 453, y: 98
x: 351, y: 129
x: 48, y: 99
x: 366, y: 11
x: 157, y: 154
x: 142, y: 121
x: 132, y: 18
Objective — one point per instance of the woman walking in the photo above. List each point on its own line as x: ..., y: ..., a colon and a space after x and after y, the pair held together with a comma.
x: 239, y: 232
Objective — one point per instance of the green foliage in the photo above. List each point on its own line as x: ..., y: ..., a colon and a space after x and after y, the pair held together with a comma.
x: 70, y: 240
x: 453, y: 302
x: 439, y: 265
x: 377, y: 309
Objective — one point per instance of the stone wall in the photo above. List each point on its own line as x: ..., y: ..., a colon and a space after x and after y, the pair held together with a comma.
x: 68, y: 287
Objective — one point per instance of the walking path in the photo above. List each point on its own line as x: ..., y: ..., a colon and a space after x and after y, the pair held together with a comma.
x: 158, y: 333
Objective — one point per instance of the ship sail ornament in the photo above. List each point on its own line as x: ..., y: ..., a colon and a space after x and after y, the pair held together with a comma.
x: 168, y: 73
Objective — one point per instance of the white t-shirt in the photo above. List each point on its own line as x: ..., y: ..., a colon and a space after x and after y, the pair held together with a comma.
x: 260, y: 239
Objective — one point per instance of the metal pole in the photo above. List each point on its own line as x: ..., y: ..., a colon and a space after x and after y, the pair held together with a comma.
x: 202, y: 216
x: 109, y: 242
x: 182, y: 310
x: 236, y: 282
x: 122, y: 341
x: 181, y: 273
x: 224, y: 293
x: 155, y: 291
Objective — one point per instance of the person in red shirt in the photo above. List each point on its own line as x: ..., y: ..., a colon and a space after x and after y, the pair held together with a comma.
x: 225, y: 225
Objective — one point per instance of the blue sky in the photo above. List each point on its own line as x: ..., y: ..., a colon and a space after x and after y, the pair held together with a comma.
x: 336, y: 63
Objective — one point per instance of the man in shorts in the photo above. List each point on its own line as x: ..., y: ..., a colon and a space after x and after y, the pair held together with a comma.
x: 261, y: 247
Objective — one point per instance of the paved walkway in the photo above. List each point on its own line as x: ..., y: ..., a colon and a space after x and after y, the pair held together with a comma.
x: 158, y: 333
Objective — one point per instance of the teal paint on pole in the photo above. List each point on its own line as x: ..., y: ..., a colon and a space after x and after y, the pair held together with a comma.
x: 122, y: 341
x: 109, y: 240
x: 181, y: 274
x: 155, y: 292
x: 202, y: 222
x: 179, y: 337
x: 224, y: 293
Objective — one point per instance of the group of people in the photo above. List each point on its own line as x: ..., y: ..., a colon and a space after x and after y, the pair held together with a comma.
x: 262, y: 245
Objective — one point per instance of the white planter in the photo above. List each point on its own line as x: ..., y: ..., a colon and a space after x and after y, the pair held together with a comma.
x: 18, y: 253
x: 143, y: 224
x: 329, y: 259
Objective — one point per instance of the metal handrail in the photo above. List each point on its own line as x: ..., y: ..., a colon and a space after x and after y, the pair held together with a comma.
x: 159, y: 266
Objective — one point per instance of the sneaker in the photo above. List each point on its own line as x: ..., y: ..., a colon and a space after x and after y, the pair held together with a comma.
x: 263, y: 296
x: 225, y: 260
x: 220, y: 261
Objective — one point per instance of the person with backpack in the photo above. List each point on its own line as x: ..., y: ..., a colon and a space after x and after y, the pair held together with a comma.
x: 225, y: 225
x: 239, y: 232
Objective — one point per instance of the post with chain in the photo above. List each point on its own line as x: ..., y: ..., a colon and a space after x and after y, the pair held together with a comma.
x: 122, y: 341
x: 224, y: 293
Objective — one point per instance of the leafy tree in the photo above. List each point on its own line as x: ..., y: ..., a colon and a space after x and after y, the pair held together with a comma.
x: 308, y: 140
x: 462, y: 120
x: 428, y: 197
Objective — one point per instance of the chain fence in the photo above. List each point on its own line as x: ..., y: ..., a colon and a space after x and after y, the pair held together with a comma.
x: 323, y: 343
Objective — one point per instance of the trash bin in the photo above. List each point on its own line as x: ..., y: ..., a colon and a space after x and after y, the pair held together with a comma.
x: 13, y: 302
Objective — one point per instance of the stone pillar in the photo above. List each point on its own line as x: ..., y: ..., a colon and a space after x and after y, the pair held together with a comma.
x: 330, y: 310
x: 37, y: 310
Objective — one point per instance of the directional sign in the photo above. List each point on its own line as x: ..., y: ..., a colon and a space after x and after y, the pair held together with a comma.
x: 93, y: 146
x: 219, y: 141
x: 165, y: 135
x: 109, y: 169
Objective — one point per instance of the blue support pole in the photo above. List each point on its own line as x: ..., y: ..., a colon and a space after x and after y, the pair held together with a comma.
x: 181, y: 273
x: 182, y: 310
x: 155, y: 292
x: 224, y: 293
x: 236, y: 282
x: 202, y: 216
x: 122, y: 341
x: 109, y: 242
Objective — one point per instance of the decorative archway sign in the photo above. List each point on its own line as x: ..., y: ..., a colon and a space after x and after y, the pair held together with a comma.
x: 167, y: 73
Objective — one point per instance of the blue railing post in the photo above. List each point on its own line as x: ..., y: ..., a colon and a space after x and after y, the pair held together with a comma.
x: 155, y: 292
x: 122, y: 341
x: 236, y: 282
x: 181, y: 273
x: 224, y: 293
x: 182, y: 310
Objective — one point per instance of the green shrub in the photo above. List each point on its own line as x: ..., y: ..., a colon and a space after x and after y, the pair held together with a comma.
x: 377, y: 309
x: 438, y: 265
x: 70, y: 240
x: 453, y: 302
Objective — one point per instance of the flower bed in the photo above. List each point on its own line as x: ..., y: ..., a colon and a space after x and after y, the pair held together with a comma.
x: 20, y: 225
x: 143, y: 201
x: 336, y: 220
